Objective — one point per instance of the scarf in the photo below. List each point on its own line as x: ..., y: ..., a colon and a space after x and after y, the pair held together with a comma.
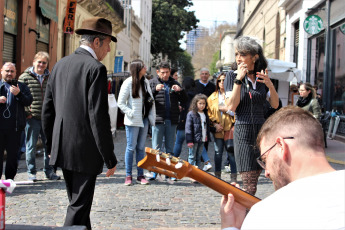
x: 301, y: 102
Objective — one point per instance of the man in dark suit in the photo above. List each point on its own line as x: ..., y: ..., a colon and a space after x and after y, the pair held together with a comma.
x: 76, y: 120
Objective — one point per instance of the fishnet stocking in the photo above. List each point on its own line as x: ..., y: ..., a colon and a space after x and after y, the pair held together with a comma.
x: 250, y: 180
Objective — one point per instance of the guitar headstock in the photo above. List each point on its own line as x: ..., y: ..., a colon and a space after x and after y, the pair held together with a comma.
x: 160, y: 162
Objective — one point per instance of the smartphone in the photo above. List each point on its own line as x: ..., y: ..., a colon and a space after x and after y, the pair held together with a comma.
x: 14, y: 82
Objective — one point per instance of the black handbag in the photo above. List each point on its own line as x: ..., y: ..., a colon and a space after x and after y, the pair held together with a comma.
x: 229, y: 140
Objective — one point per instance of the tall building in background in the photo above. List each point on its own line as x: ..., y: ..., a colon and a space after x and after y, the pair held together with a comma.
x: 143, y: 9
x: 192, y: 37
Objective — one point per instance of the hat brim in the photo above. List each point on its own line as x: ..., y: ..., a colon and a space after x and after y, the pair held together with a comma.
x: 86, y: 31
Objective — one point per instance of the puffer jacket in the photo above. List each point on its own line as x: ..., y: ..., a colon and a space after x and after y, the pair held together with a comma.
x: 175, y: 98
x: 225, y: 120
x: 193, y: 128
x: 37, y: 92
x: 132, y: 107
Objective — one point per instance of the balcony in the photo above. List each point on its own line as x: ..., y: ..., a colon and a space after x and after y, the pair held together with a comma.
x: 109, y: 9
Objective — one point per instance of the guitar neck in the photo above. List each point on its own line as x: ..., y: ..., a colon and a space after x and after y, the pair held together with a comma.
x: 222, y: 187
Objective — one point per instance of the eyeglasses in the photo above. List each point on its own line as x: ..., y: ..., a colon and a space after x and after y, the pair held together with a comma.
x: 261, y: 161
x: 42, y: 62
x: 9, y: 71
x: 221, y: 80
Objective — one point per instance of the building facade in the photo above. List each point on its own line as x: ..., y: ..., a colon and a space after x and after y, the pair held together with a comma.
x: 319, y: 48
x: 227, y: 52
x: 192, y: 36
x: 266, y: 21
x: 27, y: 27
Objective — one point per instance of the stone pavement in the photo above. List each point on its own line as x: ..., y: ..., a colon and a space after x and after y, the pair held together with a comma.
x: 183, y: 205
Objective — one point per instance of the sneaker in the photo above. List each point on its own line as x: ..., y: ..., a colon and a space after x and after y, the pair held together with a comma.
x: 227, y: 169
x: 154, y: 176
x: 53, y: 176
x: 142, y: 180
x: 149, y: 174
x: 207, y: 167
x: 170, y: 181
x: 32, y: 177
x: 128, y: 180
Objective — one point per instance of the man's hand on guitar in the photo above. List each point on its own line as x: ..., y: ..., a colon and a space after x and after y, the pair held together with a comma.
x: 190, y: 145
x: 232, y: 213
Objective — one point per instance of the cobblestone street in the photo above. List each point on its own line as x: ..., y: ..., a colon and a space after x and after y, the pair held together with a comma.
x: 159, y: 205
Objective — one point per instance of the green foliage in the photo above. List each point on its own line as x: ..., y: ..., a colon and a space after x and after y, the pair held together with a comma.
x: 215, y: 58
x: 169, y: 19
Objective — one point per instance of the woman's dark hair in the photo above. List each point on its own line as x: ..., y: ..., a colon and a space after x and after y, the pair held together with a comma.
x: 193, y: 105
x: 248, y: 45
x: 136, y: 66
x: 188, y: 83
x: 217, y: 85
x: 172, y: 71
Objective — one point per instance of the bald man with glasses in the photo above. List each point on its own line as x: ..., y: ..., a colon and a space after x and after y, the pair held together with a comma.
x: 309, y: 192
x: 13, y: 97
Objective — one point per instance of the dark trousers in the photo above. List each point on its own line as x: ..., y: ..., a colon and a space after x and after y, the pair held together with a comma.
x: 80, y: 190
x: 9, y: 141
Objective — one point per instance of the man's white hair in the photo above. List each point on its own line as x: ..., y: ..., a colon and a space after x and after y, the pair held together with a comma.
x: 204, y: 69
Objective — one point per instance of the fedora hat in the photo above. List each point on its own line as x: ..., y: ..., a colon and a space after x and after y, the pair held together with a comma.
x: 96, y: 25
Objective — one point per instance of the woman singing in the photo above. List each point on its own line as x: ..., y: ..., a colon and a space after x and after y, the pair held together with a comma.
x: 250, y: 86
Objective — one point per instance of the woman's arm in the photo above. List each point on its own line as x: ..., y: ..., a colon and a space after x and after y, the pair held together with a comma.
x: 316, y: 109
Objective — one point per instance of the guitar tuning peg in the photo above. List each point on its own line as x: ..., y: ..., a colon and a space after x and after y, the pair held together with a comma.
x: 168, y: 160
x: 158, y: 158
x: 179, y: 164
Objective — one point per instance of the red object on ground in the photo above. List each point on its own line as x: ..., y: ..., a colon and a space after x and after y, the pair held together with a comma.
x: 2, y: 209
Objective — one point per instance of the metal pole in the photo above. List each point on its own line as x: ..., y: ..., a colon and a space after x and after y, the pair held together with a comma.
x: 327, y: 86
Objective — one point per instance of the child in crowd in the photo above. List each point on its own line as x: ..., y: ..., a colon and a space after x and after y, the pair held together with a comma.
x: 197, y: 129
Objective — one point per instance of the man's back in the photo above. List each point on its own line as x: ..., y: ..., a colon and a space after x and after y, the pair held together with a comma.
x: 82, y: 136
x: 315, y: 202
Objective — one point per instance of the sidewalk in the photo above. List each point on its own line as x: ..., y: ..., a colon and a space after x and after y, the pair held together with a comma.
x: 335, y: 153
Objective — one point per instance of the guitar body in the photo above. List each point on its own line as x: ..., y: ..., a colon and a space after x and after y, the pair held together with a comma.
x: 168, y: 165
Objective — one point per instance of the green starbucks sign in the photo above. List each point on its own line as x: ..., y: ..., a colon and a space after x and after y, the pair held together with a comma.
x: 313, y: 24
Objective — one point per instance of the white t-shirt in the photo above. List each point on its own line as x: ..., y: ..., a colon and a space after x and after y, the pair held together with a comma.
x: 316, y: 202
x: 203, y: 125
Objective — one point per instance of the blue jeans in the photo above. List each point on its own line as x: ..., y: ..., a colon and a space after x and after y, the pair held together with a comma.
x: 166, y: 130
x: 33, y: 129
x: 194, y: 157
x: 180, y: 137
x: 205, y: 155
x: 136, y: 138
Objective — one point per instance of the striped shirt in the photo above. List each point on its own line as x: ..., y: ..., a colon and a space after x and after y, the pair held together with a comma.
x: 250, y: 109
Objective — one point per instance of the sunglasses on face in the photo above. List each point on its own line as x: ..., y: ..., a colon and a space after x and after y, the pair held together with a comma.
x: 221, y: 80
x: 42, y: 62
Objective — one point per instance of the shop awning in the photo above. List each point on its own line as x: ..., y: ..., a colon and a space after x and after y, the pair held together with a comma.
x: 284, y: 71
x: 48, y: 8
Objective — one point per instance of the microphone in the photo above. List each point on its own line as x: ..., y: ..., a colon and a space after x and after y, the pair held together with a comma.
x: 246, y: 81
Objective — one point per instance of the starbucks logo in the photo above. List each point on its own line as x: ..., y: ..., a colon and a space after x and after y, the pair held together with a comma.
x: 313, y: 24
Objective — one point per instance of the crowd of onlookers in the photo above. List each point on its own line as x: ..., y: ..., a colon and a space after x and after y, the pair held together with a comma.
x: 68, y: 110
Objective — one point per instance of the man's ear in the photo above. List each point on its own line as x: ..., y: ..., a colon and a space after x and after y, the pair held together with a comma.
x: 96, y: 43
x: 284, y: 150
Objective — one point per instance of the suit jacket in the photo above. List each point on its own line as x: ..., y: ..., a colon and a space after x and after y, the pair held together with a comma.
x: 75, y: 115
